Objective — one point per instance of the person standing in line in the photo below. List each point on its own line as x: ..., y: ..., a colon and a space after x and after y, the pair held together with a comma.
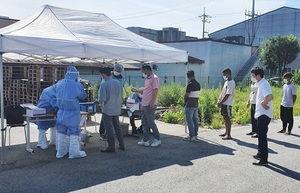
x: 149, y: 104
x: 225, y: 102
x: 252, y: 101
x: 191, y: 106
x: 116, y: 74
x: 263, y: 114
x: 111, y: 98
x: 288, y: 100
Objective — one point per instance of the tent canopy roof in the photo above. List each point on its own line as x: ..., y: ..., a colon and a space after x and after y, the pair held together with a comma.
x: 64, y: 32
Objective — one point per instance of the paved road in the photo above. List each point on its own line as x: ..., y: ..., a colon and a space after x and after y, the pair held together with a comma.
x: 210, y: 165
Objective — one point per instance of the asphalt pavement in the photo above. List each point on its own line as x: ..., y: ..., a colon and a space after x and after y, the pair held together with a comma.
x: 208, y: 165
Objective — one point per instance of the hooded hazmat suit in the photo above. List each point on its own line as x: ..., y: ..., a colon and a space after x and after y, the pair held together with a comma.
x: 68, y: 92
x: 47, y: 101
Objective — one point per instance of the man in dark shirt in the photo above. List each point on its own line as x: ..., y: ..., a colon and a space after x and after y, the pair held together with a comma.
x: 191, y: 106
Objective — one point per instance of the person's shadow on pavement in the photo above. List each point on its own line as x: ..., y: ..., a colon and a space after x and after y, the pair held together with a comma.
x: 284, y: 143
x: 284, y: 171
x: 251, y: 145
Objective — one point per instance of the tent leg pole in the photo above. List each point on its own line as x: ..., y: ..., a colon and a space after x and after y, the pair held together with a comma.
x: 2, y: 109
x: 186, y: 69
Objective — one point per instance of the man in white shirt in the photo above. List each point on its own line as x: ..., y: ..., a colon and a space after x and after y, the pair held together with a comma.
x: 225, y: 102
x: 263, y: 114
x: 288, y: 100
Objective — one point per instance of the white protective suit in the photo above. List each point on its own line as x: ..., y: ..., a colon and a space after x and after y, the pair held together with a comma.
x: 48, y: 101
x: 68, y: 92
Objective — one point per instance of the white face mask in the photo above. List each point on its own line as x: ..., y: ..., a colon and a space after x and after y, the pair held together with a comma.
x: 225, y: 78
x: 116, y: 73
x: 285, y: 81
x: 253, y: 79
x: 144, y: 75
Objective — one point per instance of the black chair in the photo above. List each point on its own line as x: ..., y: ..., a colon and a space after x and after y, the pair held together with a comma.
x: 14, y: 118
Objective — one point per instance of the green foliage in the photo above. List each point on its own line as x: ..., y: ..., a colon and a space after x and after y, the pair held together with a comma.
x: 171, y: 94
x: 209, y: 113
x: 217, y: 121
x: 208, y: 105
x: 95, y: 89
x: 277, y: 52
x: 127, y: 91
x: 296, y: 77
x: 176, y: 116
x: 240, y: 112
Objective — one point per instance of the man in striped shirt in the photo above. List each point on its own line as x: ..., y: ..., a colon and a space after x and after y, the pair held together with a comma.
x: 191, y: 106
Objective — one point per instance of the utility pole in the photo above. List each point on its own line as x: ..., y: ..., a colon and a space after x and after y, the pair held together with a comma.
x: 252, y: 28
x: 204, y: 20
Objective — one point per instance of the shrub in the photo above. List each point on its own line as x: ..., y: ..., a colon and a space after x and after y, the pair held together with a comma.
x: 217, y: 121
x: 176, y: 116
x: 296, y: 77
x: 171, y: 94
x: 95, y: 89
x: 127, y: 91
x: 207, y: 105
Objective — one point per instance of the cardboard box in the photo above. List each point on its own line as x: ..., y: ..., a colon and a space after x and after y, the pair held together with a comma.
x: 33, y: 111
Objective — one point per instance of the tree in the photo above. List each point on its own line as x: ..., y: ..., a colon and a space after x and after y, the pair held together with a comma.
x: 278, y: 52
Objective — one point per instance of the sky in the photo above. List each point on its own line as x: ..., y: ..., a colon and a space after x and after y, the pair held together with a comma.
x: 156, y: 14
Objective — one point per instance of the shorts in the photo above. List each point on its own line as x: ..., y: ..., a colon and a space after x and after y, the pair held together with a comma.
x: 226, y: 110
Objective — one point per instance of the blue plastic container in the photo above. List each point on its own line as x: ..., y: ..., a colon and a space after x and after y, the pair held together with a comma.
x: 89, y: 107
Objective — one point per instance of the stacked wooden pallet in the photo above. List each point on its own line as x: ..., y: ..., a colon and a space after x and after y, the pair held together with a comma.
x: 24, y: 84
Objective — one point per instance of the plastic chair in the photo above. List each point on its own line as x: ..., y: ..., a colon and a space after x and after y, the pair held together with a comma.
x: 14, y: 118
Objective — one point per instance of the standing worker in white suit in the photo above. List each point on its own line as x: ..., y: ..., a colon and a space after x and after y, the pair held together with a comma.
x: 69, y: 92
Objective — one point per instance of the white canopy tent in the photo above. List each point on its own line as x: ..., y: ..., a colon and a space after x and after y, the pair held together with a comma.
x: 59, y: 32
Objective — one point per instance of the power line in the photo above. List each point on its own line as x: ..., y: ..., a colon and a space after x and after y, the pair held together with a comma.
x: 156, y: 11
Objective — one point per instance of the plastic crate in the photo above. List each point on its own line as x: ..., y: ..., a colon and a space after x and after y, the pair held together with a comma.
x: 89, y: 107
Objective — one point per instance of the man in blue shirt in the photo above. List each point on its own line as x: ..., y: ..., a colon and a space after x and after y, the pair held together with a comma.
x: 111, y: 98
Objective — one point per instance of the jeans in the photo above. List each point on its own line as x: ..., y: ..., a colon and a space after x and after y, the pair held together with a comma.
x: 148, y: 118
x: 286, y: 116
x: 262, y: 127
x: 112, y: 125
x: 191, y: 116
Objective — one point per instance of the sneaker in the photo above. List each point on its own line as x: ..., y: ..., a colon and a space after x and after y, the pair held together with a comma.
x: 281, y: 131
x: 227, y: 137
x: 155, y: 143
x: 255, y: 136
x: 103, y: 137
x: 288, y: 133
x: 260, y: 163
x: 143, y: 143
x: 189, y: 138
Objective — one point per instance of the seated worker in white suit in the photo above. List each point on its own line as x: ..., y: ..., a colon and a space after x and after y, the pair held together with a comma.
x: 47, y: 101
